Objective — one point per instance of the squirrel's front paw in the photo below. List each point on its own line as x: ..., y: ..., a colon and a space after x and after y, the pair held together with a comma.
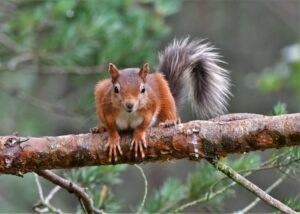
x: 138, y: 143
x: 112, y: 146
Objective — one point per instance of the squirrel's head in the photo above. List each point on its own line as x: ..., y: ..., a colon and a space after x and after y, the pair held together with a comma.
x: 129, y: 87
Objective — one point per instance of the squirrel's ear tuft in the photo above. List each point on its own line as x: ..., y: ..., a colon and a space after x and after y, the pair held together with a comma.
x: 144, y: 71
x: 114, y: 72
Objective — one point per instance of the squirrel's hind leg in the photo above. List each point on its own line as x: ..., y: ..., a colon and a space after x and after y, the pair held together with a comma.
x: 98, y: 129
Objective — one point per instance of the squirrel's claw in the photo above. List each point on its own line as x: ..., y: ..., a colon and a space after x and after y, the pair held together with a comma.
x: 113, y: 147
x: 138, y: 145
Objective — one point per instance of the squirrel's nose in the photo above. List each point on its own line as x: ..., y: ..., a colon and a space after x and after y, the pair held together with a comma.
x: 129, y: 106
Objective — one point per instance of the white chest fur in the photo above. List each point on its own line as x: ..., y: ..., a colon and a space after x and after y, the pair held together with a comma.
x: 127, y: 120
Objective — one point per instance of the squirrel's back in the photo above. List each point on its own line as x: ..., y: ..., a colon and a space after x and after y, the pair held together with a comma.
x: 193, y: 67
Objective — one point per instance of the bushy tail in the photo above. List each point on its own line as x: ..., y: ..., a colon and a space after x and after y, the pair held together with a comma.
x: 194, y: 65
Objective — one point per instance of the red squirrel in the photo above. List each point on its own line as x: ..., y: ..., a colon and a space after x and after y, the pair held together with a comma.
x: 134, y: 99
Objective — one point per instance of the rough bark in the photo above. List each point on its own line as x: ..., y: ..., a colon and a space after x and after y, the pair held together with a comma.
x: 194, y: 140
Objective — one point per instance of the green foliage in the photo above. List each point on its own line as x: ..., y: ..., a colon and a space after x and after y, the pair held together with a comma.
x: 284, y: 75
x: 90, y: 32
x: 279, y: 108
x: 98, y: 181
x: 206, y: 179
x: 106, y: 201
x: 166, y: 197
x: 293, y: 203
x: 203, y: 180
x: 165, y: 7
x: 76, y: 34
x: 108, y: 175
x: 287, y: 155
x: 270, y: 82
x: 246, y: 161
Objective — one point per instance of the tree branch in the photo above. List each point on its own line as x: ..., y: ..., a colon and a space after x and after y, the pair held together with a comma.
x: 72, y: 188
x: 194, y: 140
x: 44, y: 205
x: 268, y: 190
x: 251, y: 187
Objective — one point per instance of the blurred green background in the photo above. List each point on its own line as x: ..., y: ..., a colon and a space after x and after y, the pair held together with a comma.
x: 53, y: 52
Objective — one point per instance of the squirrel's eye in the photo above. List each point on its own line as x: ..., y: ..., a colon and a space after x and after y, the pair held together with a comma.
x: 143, y: 89
x: 116, y: 89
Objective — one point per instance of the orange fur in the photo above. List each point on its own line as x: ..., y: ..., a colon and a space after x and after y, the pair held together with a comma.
x: 156, y: 105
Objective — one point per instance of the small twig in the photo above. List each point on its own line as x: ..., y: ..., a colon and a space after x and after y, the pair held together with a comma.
x: 102, y: 195
x: 13, y: 63
x: 212, y: 194
x: 207, y: 197
x: 52, y: 193
x: 264, y: 166
x: 39, y: 186
x: 271, y: 166
x: 250, y: 186
x: 46, y: 206
x: 167, y: 206
x: 290, y: 175
x: 82, y: 206
x: 257, y: 169
x: 269, y: 189
x: 145, y: 189
x: 72, y: 188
